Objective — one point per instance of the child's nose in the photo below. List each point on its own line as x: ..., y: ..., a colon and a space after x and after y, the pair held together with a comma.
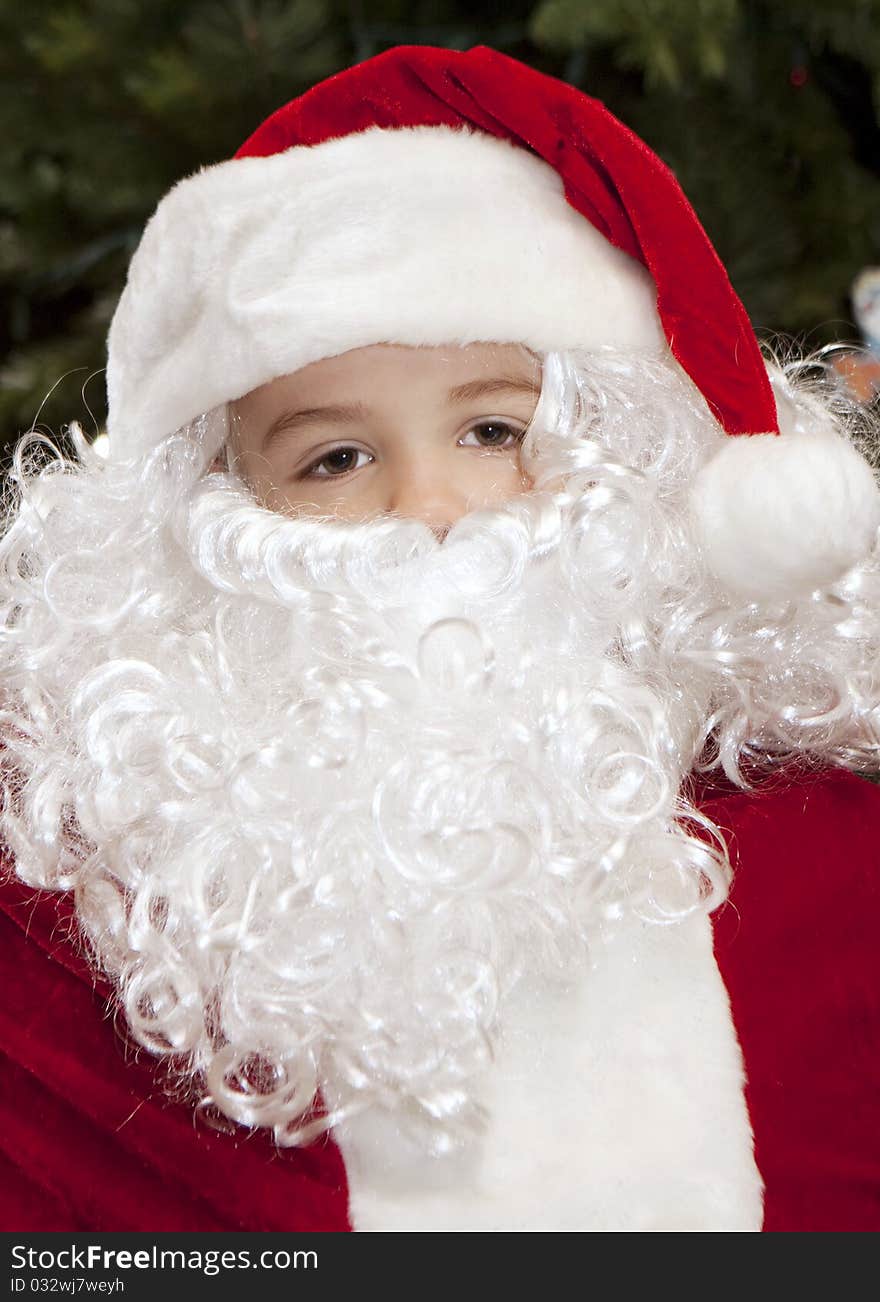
x: 428, y: 494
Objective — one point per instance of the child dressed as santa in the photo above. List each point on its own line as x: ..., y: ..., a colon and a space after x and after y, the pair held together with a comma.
x: 463, y: 605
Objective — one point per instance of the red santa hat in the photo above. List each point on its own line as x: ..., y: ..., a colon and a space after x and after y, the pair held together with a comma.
x: 429, y: 196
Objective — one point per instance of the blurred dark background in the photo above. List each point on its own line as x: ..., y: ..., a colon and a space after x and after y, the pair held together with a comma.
x: 767, y: 110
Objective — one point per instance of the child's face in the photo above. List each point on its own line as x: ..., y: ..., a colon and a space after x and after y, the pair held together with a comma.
x: 427, y: 433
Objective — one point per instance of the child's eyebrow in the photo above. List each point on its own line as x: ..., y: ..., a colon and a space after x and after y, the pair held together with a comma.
x: 487, y: 388
x: 349, y: 413
x: 288, y: 421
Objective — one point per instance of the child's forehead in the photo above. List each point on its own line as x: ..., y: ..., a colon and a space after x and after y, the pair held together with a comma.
x: 455, y: 373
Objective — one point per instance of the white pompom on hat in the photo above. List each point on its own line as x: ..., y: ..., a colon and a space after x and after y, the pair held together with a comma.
x: 432, y: 196
x: 779, y: 516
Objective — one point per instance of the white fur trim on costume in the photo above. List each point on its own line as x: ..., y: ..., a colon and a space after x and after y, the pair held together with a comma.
x: 616, y: 1107
x: 782, y: 515
x: 255, y: 267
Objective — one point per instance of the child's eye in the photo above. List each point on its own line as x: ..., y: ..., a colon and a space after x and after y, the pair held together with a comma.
x: 337, y: 462
x: 493, y: 434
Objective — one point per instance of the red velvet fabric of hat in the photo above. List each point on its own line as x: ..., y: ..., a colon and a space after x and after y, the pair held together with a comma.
x: 609, y: 174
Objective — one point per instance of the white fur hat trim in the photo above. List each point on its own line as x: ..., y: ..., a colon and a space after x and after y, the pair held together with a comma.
x: 255, y: 267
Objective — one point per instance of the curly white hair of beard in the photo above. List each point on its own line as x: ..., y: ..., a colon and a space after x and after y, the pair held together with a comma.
x: 324, y: 792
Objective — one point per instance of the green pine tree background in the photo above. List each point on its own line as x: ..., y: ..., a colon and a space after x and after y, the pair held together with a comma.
x: 767, y: 110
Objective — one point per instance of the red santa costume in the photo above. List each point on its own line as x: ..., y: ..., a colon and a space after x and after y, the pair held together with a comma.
x: 394, y: 852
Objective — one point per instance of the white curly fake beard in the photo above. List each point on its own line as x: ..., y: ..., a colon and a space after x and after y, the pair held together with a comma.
x: 355, y: 790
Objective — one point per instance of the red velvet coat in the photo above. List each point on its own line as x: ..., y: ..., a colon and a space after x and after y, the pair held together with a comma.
x: 89, y: 1141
